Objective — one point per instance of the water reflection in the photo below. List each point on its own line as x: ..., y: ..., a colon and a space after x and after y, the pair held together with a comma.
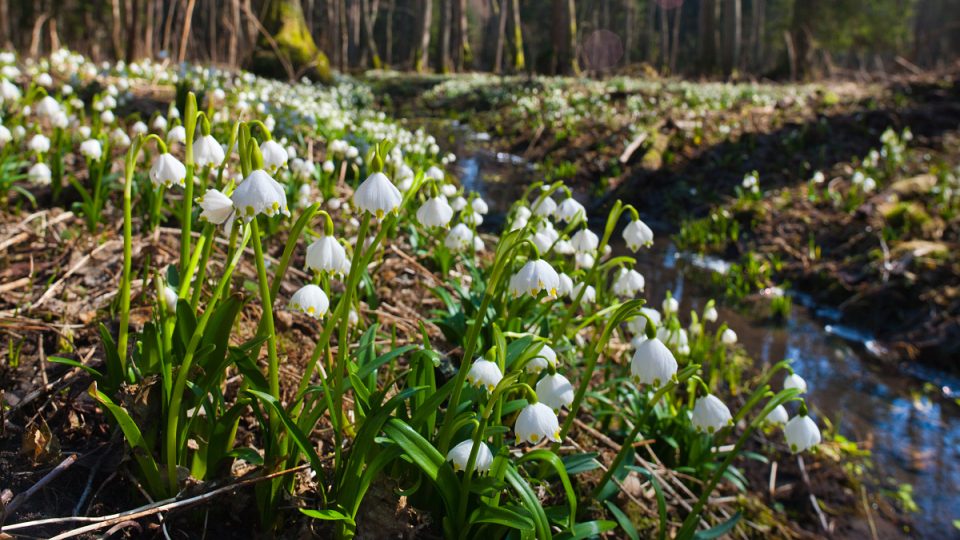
x: 913, y: 435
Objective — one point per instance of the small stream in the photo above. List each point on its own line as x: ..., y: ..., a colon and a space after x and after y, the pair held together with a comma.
x: 908, y: 417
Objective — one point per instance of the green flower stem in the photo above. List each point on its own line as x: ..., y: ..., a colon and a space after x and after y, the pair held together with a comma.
x: 176, y: 396
x: 689, y: 526
x: 205, y: 248
x: 612, y: 219
x: 340, y: 367
x: 273, y: 366
x: 628, y: 442
x: 186, y: 221
x: 508, y: 243
x: 123, y: 338
x: 625, y: 312
x: 186, y: 217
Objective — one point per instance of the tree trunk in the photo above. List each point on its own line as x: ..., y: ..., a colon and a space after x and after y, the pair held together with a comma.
x: 519, y: 64
x: 233, y: 44
x: 370, y: 23
x: 426, y: 20
x: 802, y: 37
x: 650, y: 33
x: 285, y: 23
x: 628, y: 31
x: 572, y: 35
x: 117, y: 26
x: 664, y: 39
x: 757, y: 16
x: 446, y: 23
x: 465, y: 55
x: 501, y: 37
x: 344, y: 34
x: 132, y: 30
x: 185, y: 35
x: 732, y: 30
x: 675, y: 39
x: 7, y: 43
x: 391, y: 8
x: 707, y: 30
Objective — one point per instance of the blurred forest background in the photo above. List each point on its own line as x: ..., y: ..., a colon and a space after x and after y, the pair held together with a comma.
x: 781, y: 39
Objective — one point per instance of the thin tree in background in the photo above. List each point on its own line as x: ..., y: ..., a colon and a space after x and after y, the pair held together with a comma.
x: 757, y: 16
x: 369, y: 9
x: 732, y: 35
x: 446, y: 23
x: 707, y: 29
x: 501, y: 35
x: 464, y: 55
x: 426, y: 19
x: 675, y: 37
x: 391, y: 8
x: 185, y: 35
x: 628, y: 9
x: 519, y: 64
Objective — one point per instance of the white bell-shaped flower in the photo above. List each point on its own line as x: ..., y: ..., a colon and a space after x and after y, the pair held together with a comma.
x: 653, y: 363
x: 638, y: 325
x: 484, y: 374
x: 310, y: 299
x: 637, y: 234
x: 533, y: 277
x: 536, y: 422
x: 216, y: 207
x: 670, y: 305
x: 177, y: 134
x: 47, y: 107
x: 459, y: 455
x: 458, y: 204
x: 436, y: 212
x: 159, y: 123
x: 434, y: 173
x: 728, y: 337
x: 795, y: 381
x: 571, y: 211
x: 479, y: 205
x: 801, y: 433
x: 139, y: 128
x: 710, y: 414
x: 207, y: 151
x: 274, y: 156
x: 555, y: 391
x: 589, y: 295
x: 448, y: 190
x: 169, y: 299
x: 91, y: 149
x: 543, y: 241
x: 778, y: 416
x: 259, y: 193
x: 546, y: 356
x: 566, y: 286
x: 39, y: 143
x: 628, y: 283
x: 710, y: 314
x: 377, y: 195
x: 326, y: 255
x: 5, y: 136
x: 459, y: 238
x: 545, y: 207
x: 584, y: 260
x: 167, y: 171
x: 585, y: 241
x: 40, y: 174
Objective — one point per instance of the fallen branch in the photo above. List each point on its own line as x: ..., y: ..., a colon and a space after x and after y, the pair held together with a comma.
x: 97, y: 523
x: 23, y: 497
